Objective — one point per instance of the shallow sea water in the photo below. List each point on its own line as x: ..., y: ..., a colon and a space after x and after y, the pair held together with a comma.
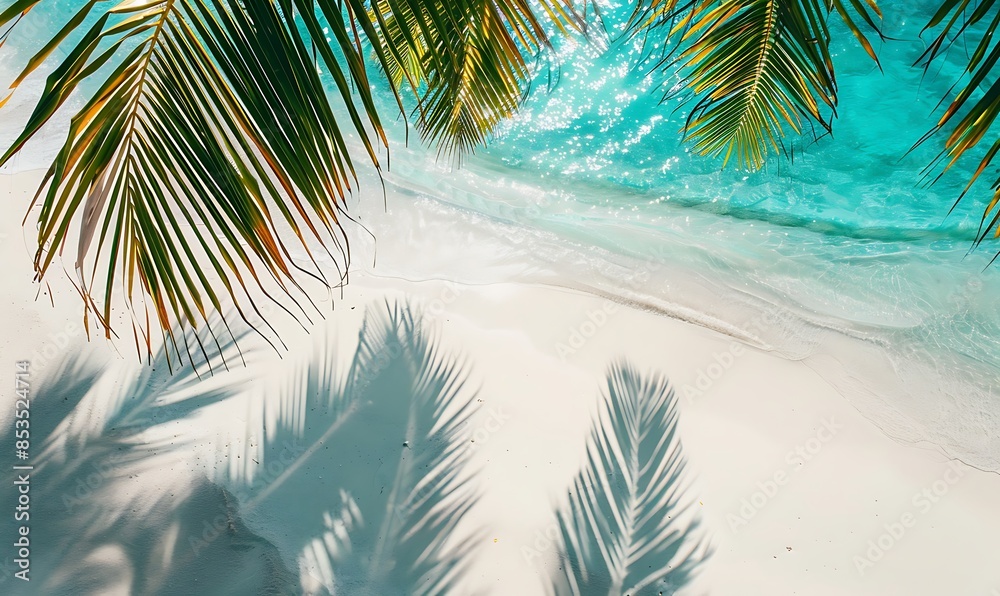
x: 841, y: 256
x: 845, y: 250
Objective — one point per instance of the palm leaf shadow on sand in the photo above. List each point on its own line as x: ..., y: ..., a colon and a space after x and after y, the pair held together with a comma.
x: 622, y: 531
x: 369, y: 487
x: 87, y: 537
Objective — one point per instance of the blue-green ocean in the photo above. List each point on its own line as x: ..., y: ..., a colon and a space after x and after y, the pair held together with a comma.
x: 845, y: 252
x: 845, y: 249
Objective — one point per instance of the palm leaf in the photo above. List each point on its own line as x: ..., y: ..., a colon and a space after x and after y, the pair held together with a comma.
x: 973, y: 109
x: 209, y: 152
x: 9, y: 17
x: 210, y: 134
x: 620, y: 531
x: 756, y: 70
x: 465, y: 61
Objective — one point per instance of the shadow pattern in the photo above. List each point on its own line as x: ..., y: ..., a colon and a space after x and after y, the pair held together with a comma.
x: 621, y: 532
x: 86, y: 537
x: 377, y: 482
x: 368, y: 488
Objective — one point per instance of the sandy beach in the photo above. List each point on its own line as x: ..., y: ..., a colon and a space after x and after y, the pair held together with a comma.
x: 785, y: 487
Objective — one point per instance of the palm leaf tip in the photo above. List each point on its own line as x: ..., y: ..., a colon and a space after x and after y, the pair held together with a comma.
x: 974, y: 102
x: 755, y: 70
x: 214, y: 132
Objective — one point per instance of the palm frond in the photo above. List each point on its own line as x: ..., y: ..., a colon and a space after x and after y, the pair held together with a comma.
x: 208, y: 134
x: 973, y: 109
x: 9, y: 17
x: 465, y: 60
x: 869, y: 12
x: 756, y: 70
x: 655, y: 14
x: 621, y: 533
x: 209, y: 153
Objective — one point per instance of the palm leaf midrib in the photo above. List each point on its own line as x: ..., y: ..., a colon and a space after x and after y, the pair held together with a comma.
x: 627, y: 544
x: 766, y: 47
x: 749, y: 89
x: 152, y: 41
x: 127, y: 147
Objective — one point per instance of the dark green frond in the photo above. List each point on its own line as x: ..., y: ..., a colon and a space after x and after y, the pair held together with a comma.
x: 973, y: 109
x: 9, y: 17
x: 207, y: 155
x: 755, y: 70
x: 465, y: 60
x: 869, y: 12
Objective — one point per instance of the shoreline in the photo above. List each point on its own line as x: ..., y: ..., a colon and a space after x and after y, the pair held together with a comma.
x: 852, y: 360
x: 898, y: 364
x: 791, y: 484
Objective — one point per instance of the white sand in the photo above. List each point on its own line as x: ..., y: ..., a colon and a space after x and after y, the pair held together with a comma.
x: 779, y: 521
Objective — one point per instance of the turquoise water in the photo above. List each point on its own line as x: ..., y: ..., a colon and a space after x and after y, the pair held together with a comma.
x: 857, y: 263
x: 845, y: 240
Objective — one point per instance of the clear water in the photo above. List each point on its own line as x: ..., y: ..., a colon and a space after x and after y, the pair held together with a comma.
x: 846, y: 245
x: 853, y: 263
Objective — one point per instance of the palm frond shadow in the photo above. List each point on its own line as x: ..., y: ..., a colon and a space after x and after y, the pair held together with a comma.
x: 627, y: 528
x: 83, y: 519
x: 372, y: 460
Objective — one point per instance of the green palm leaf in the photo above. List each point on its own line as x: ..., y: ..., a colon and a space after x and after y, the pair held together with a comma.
x: 465, y: 61
x: 210, y: 134
x: 209, y: 152
x: 755, y: 69
x: 973, y: 109
x: 9, y: 17
x: 621, y: 533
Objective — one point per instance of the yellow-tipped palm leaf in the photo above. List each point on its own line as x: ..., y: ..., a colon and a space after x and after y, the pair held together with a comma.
x: 973, y: 110
x: 464, y: 61
x: 755, y: 70
x: 209, y: 151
